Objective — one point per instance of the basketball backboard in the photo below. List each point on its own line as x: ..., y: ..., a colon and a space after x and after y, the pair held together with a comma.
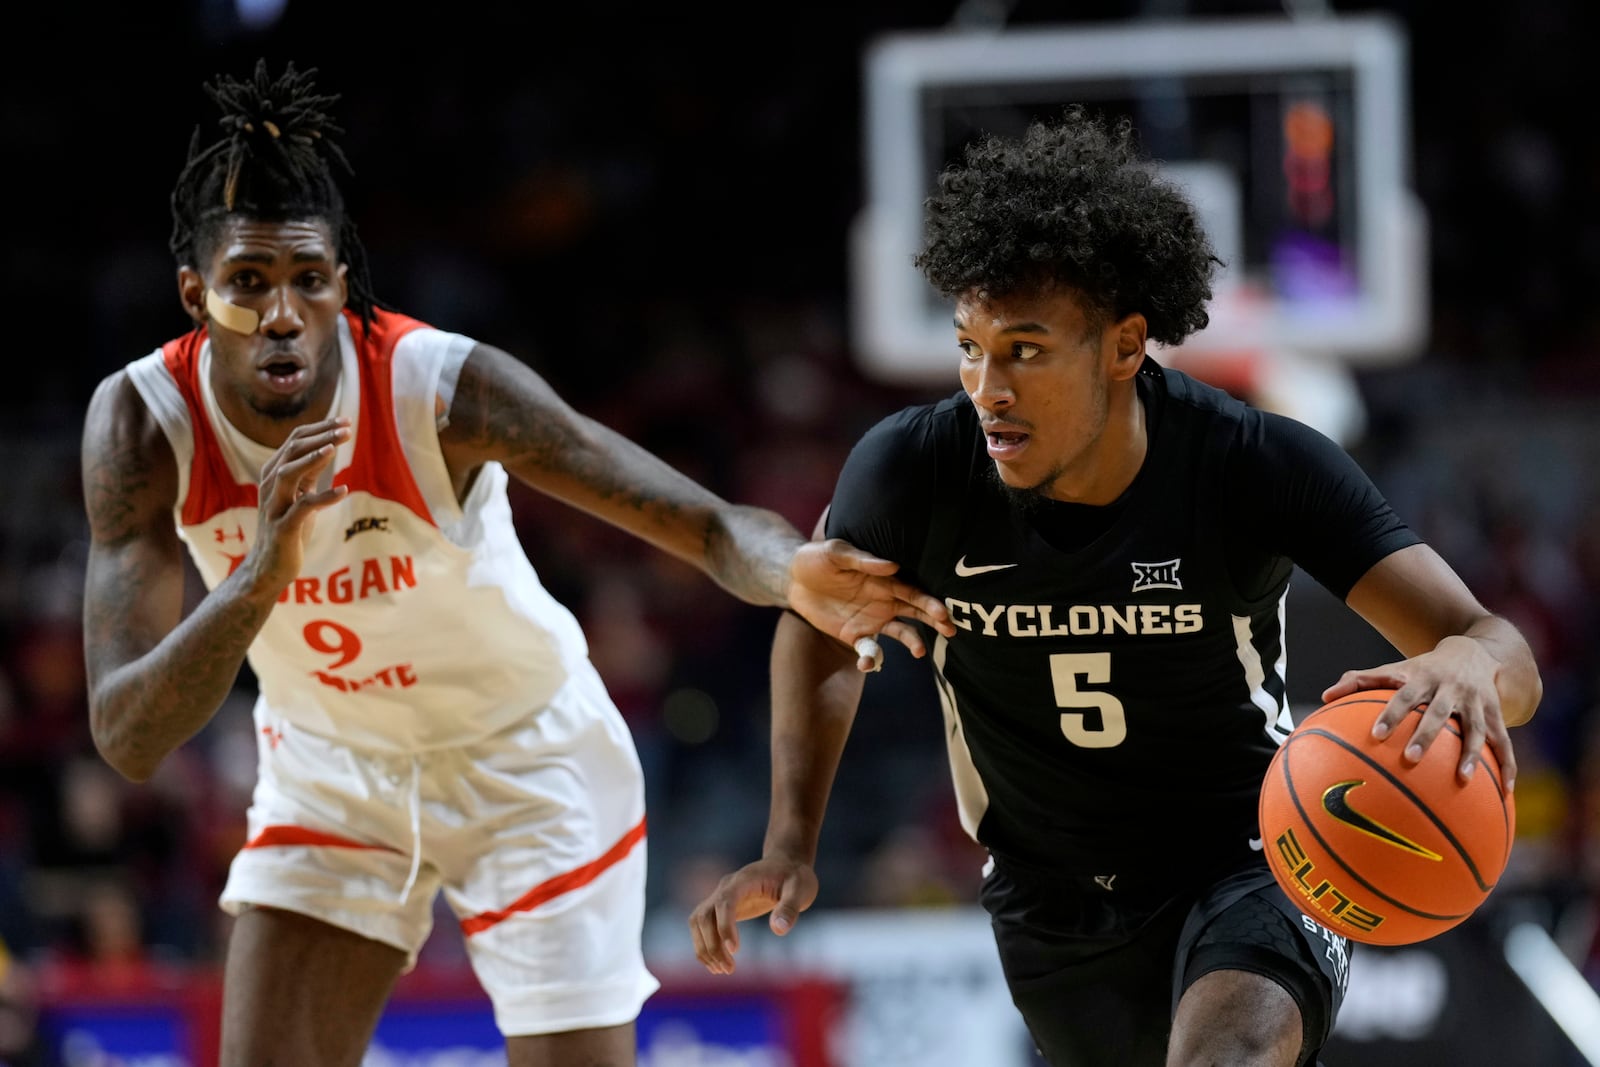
x: 1292, y: 137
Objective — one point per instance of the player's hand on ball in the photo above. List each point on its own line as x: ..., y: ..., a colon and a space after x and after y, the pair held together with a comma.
x: 1455, y: 681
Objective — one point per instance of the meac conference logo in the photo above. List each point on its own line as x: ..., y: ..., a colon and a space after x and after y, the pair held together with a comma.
x: 365, y: 523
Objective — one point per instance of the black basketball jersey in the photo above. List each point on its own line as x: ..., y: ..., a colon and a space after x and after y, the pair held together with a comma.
x: 1116, y: 686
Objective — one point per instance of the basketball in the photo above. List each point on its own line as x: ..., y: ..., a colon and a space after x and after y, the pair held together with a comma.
x: 1380, y: 851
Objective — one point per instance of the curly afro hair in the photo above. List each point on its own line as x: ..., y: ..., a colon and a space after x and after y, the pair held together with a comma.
x: 1071, y: 204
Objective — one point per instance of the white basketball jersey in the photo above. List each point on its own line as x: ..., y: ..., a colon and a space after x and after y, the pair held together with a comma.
x: 417, y: 621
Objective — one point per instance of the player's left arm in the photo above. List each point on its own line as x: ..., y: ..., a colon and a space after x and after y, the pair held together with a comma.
x: 1461, y: 660
x: 504, y: 411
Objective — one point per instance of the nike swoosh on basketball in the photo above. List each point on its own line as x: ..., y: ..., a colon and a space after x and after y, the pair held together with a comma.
x: 964, y: 571
x: 1335, y: 802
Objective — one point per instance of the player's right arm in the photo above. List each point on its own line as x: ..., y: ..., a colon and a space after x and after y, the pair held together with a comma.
x: 155, y: 677
x: 883, y: 500
x: 815, y: 691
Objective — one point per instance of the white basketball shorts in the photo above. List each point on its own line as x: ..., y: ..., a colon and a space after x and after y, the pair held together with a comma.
x: 536, y: 837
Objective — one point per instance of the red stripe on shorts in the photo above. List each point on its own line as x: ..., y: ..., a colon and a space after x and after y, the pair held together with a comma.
x: 274, y: 836
x: 554, y: 887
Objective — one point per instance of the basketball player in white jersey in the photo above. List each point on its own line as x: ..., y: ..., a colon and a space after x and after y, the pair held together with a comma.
x: 428, y: 718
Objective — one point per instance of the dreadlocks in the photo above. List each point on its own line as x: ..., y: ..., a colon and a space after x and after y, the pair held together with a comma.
x: 272, y: 163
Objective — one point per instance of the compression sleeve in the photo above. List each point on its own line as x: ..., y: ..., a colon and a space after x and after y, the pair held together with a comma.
x: 883, y: 501
x: 1301, y: 496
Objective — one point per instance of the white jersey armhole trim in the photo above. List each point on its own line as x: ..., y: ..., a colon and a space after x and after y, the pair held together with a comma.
x: 161, y: 395
x: 449, y: 376
x: 425, y: 369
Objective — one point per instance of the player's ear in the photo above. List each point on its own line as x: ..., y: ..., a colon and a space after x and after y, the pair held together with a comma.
x: 192, y: 294
x: 1129, y: 334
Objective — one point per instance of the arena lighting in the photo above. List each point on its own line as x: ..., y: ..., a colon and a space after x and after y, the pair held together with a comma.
x: 259, y: 14
x: 1558, y: 986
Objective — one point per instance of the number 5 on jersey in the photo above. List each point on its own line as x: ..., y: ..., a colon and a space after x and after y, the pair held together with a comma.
x: 1093, y: 668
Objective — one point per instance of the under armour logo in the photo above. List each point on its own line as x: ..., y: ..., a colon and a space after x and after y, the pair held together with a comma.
x: 1163, y: 575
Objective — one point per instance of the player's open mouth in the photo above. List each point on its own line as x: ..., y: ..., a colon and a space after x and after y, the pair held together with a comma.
x: 284, y: 376
x: 1006, y: 444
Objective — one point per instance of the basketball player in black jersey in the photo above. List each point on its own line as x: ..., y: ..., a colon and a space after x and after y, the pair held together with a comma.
x: 1114, y: 541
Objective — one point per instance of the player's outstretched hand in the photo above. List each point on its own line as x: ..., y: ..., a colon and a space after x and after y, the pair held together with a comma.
x: 852, y: 594
x: 773, y: 884
x: 289, y: 500
x: 1456, y: 680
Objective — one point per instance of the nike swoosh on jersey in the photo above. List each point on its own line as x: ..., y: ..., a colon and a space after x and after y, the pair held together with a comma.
x: 964, y: 571
x: 1255, y: 844
x: 1335, y: 803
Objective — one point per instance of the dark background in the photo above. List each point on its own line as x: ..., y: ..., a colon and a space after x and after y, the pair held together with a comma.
x: 650, y: 204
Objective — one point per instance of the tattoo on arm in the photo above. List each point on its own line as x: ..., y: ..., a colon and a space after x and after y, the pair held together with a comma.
x: 154, y: 678
x: 111, y: 483
x: 505, y: 412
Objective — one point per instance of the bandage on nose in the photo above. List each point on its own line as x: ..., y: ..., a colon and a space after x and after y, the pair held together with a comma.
x: 231, y: 316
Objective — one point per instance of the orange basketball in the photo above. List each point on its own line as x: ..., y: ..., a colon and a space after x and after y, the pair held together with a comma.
x: 1375, y: 849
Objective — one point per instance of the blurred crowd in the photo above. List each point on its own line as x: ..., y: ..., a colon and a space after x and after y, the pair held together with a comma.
x: 677, y: 272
